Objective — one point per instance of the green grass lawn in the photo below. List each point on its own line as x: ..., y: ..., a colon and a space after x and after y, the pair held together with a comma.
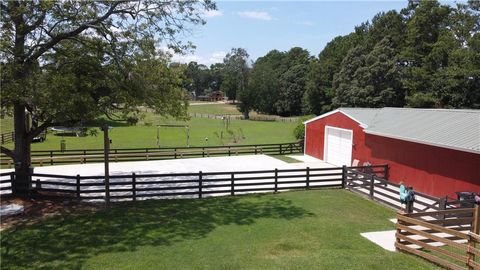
x: 141, y: 135
x: 222, y: 109
x: 292, y: 230
x: 213, y: 109
x: 285, y: 158
x: 6, y: 124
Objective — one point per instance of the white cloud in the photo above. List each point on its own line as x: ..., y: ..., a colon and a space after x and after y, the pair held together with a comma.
x: 212, y: 58
x: 217, y: 57
x: 258, y: 15
x: 187, y: 58
x: 305, y: 23
x: 212, y: 13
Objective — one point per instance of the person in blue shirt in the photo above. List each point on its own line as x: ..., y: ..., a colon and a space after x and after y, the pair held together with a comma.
x: 407, y: 197
x: 403, y: 193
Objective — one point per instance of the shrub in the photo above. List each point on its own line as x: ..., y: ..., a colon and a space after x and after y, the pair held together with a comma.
x: 132, y: 120
x: 93, y: 132
x: 299, y: 131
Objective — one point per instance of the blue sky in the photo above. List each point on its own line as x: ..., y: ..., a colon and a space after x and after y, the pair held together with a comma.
x: 260, y: 26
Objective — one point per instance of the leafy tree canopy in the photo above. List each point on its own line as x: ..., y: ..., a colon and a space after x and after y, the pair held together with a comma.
x: 65, y: 61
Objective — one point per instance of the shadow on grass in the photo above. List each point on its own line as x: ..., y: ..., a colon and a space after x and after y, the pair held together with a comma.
x: 66, y: 241
x: 102, y: 121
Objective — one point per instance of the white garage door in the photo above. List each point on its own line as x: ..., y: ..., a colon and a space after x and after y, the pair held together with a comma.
x: 338, y: 146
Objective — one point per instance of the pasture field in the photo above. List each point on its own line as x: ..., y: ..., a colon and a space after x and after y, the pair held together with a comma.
x: 220, y: 108
x: 144, y: 134
x: 317, y: 229
x: 6, y: 124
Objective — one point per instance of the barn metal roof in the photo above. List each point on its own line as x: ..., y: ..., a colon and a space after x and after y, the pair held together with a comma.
x: 449, y: 128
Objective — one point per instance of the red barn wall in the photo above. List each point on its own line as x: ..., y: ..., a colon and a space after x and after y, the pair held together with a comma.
x: 315, y: 132
x: 433, y: 170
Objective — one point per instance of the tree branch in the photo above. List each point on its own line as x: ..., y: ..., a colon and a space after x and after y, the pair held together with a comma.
x: 34, y: 25
x: 7, y: 152
x: 56, y: 39
x: 38, y: 130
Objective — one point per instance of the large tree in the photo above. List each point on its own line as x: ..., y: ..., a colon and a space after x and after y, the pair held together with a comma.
x: 319, y: 86
x: 199, y: 78
x: 34, y: 35
x: 265, y: 81
x: 292, y: 80
x: 370, y: 79
x: 235, y: 79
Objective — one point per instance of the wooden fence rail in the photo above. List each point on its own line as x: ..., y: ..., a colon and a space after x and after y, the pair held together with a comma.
x: 372, y: 184
x: 240, y: 117
x: 446, y: 237
x: 6, y: 183
x: 7, y: 137
x: 51, y: 157
x: 186, y: 185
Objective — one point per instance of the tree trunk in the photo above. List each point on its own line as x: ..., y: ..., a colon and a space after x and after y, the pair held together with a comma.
x: 22, y: 184
x: 246, y: 115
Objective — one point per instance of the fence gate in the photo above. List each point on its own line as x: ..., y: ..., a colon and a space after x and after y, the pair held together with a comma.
x: 448, y: 238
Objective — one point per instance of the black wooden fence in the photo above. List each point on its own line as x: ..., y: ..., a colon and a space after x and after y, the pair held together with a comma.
x: 267, y: 118
x: 6, y: 183
x: 51, y: 157
x: 7, y: 137
x: 377, y: 188
x: 187, y: 185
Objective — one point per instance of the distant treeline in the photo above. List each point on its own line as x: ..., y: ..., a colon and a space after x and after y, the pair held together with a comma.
x: 426, y: 55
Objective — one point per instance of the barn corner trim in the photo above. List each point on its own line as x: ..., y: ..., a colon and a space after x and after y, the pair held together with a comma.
x: 363, y: 125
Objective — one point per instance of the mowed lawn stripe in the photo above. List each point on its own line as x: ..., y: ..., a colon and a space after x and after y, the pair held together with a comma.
x: 139, y: 136
x: 292, y: 230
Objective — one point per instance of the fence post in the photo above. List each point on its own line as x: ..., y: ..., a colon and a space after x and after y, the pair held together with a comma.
x: 78, y: 186
x: 175, y: 151
x: 229, y: 151
x: 3, y: 140
x: 12, y: 179
x: 398, y: 230
x: 38, y: 185
x: 442, y: 205
x: 276, y: 180
x: 476, y: 221
x: 134, y: 187
x: 344, y: 176
x: 471, y: 240
x: 200, y: 184
x: 291, y: 148
x: 203, y: 151
x: 470, y: 254
x: 308, y: 177
x: 372, y: 184
x: 255, y: 149
x: 280, y: 150
x: 232, y: 184
x: 51, y: 157
x: 386, y: 171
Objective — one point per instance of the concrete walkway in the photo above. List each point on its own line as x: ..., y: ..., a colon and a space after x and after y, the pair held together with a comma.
x: 207, y: 164
x: 386, y: 239
x: 210, y: 164
x: 193, y: 165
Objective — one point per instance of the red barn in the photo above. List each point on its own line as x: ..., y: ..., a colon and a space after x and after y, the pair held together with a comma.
x: 437, y: 151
